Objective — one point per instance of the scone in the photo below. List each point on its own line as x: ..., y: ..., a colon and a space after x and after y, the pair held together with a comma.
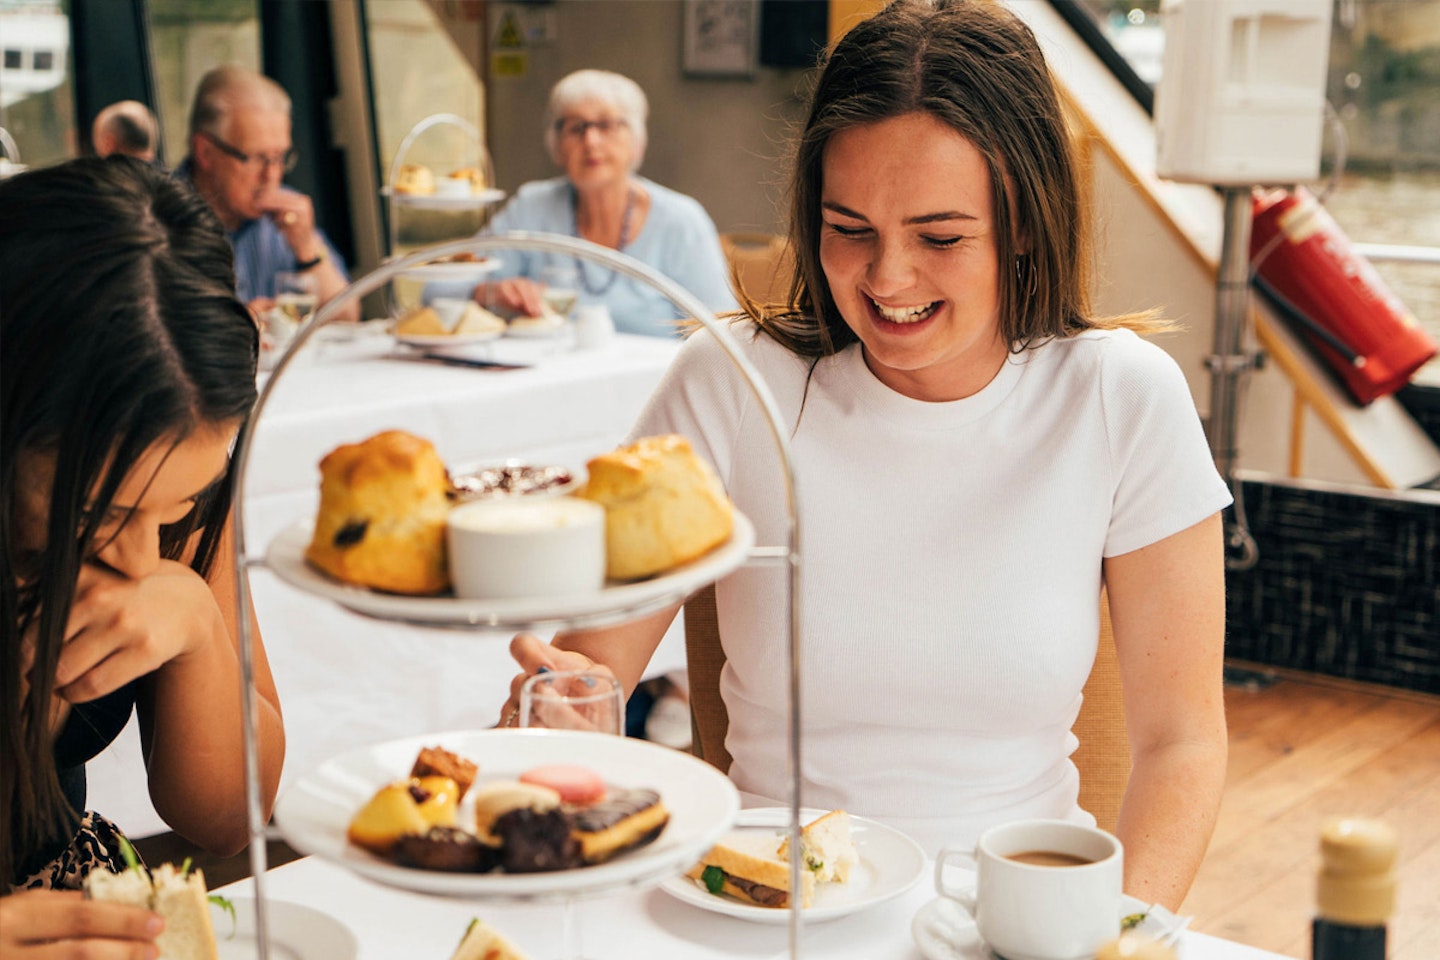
x: 420, y: 322
x: 474, y: 176
x: 664, y: 506
x: 382, y: 515
x: 415, y: 179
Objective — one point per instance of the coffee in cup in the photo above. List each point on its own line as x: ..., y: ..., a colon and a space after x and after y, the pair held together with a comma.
x: 1044, y: 889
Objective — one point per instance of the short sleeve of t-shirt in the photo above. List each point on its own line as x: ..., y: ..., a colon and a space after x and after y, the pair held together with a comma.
x: 1162, y: 473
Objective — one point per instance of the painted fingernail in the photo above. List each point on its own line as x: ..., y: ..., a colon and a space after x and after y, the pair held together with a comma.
x: 542, y: 669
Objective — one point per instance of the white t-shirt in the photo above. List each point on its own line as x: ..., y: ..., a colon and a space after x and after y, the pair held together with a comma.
x: 951, y: 565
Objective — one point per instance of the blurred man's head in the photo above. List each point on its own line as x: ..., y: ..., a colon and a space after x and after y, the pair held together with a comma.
x: 126, y: 127
x: 239, y: 141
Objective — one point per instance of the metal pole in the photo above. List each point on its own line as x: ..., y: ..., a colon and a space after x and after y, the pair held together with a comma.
x: 1231, y: 361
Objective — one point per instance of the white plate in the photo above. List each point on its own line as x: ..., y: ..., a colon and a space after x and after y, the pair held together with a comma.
x: 445, y: 341
x: 614, y: 603
x: 471, y: 270
x: 944, y: 931
x: 890, y: 864
x: 313, y: 813
x: 536, y: 331
x: 435, y: 201
x: 296, y: 932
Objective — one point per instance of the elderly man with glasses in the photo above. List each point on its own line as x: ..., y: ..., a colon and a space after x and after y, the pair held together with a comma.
x: 239, y: 151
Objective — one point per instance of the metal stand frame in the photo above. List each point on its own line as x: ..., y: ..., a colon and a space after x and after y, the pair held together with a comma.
x: 787, y: 553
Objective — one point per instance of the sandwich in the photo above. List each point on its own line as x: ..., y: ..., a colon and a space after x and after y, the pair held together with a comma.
x: 177, y: 895
x: 745, y: 865
x: 827, y: 847
x: 483, y: 942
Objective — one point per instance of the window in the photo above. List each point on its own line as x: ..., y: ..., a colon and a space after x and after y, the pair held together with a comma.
x: 418, y: 68
x: 1384, y: 84
x: 37, y: 104
x: 189, y: 37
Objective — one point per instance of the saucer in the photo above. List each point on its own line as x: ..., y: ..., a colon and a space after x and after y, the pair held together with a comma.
x: 944, y: 931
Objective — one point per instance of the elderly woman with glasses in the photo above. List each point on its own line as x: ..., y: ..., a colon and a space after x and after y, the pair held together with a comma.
x: 595, y: 131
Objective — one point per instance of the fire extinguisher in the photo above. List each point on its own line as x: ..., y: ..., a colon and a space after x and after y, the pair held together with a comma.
x: 1305, y: 265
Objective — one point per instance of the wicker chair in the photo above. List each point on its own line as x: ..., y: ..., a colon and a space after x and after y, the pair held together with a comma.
x: 1103, y: 757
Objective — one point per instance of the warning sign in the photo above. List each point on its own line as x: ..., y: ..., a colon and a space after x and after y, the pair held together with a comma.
x: 509, y: 36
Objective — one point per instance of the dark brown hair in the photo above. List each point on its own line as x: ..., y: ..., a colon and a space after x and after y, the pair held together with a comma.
x: 977, y: 68
x: 119, y: 330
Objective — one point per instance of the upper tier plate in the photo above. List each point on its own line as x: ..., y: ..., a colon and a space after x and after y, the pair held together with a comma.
x: 313, y: 814
x: 614, y: 603
x: 469, y: 271
x: 433, y: 201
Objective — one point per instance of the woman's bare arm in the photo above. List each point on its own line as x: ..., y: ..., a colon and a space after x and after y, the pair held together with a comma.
x: 1167, y: 604
x: 191, y: 725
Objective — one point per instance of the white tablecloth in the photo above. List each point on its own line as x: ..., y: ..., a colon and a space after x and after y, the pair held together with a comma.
x: 347, y: 681
x: 391, y: 923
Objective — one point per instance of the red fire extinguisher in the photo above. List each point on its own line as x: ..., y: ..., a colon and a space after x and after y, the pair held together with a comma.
x: 1307, y: 267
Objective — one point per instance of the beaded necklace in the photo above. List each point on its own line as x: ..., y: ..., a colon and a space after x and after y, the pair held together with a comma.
x: 596, y: 291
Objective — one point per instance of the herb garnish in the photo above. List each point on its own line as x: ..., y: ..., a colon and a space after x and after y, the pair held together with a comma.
x: 714, y: 879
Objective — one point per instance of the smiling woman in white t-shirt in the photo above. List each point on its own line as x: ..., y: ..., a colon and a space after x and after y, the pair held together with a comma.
x: 977, y: 454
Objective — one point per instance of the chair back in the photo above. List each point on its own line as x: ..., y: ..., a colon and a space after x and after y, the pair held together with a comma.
x: 1103, y: 757
x: 761, y: 263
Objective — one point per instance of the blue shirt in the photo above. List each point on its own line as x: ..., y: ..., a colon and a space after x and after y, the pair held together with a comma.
x: 261, y: 251
x: 678, y: 239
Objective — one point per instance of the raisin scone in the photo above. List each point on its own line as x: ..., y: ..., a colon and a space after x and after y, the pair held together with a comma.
x: 381, y: 522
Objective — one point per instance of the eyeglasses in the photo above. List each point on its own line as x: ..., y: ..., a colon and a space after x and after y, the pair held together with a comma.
x: 285, y: 161
x: 576, y: 129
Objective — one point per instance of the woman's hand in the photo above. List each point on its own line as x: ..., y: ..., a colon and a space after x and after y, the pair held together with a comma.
x: 53, y: 924
x: 535, y: 657
x: 517, y: 294
x: 122, y: 628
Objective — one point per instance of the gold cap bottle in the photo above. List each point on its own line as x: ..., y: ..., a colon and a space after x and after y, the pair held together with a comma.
x: 1355, y: 894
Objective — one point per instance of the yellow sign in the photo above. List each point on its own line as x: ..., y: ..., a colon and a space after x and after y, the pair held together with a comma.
x: 509, y: 64
x: 509, y: 36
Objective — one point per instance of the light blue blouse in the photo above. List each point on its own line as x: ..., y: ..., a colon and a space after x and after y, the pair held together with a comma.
x: 678, y: 239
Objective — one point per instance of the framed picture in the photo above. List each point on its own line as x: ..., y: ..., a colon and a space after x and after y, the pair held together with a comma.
x: 721, y: 37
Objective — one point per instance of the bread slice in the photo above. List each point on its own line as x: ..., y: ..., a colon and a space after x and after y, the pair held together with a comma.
x: 751, y: 870
x: 184, y: 903
x: 179, y: 897
x: 827, y: 846
x: 483, y: 942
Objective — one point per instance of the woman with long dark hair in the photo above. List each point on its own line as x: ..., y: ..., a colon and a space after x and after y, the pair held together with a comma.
x: 977, y: 455
x: 126, y: 369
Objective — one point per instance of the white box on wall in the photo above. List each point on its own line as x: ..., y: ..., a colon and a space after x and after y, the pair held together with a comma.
x: 1241, y: 98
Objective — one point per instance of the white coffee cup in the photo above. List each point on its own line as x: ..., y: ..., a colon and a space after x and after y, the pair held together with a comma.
x: 1030, y: 909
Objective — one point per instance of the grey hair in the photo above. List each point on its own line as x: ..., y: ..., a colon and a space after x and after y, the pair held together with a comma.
x: 603, y: 86
x: 224, y: 88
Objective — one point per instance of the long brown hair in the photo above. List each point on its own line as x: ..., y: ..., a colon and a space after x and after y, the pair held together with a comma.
x: 119, y: 330
x: 977, y: 68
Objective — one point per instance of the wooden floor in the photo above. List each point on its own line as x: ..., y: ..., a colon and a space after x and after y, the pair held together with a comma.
x: 1302, y: 750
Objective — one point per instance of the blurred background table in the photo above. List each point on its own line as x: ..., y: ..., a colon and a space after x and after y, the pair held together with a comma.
x: 346, y: 680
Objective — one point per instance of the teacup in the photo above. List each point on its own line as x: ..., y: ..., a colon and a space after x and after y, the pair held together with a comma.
x: 1044, y: 889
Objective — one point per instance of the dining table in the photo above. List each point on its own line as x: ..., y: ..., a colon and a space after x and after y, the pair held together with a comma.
x: 315, y: 905
x: 346, y: 680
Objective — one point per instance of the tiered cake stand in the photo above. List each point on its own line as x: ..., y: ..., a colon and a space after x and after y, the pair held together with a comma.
x: 614, y: 604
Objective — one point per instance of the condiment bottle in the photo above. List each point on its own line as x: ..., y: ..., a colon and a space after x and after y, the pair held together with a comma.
x: 1135, y: 946
x: 1356, y: 891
